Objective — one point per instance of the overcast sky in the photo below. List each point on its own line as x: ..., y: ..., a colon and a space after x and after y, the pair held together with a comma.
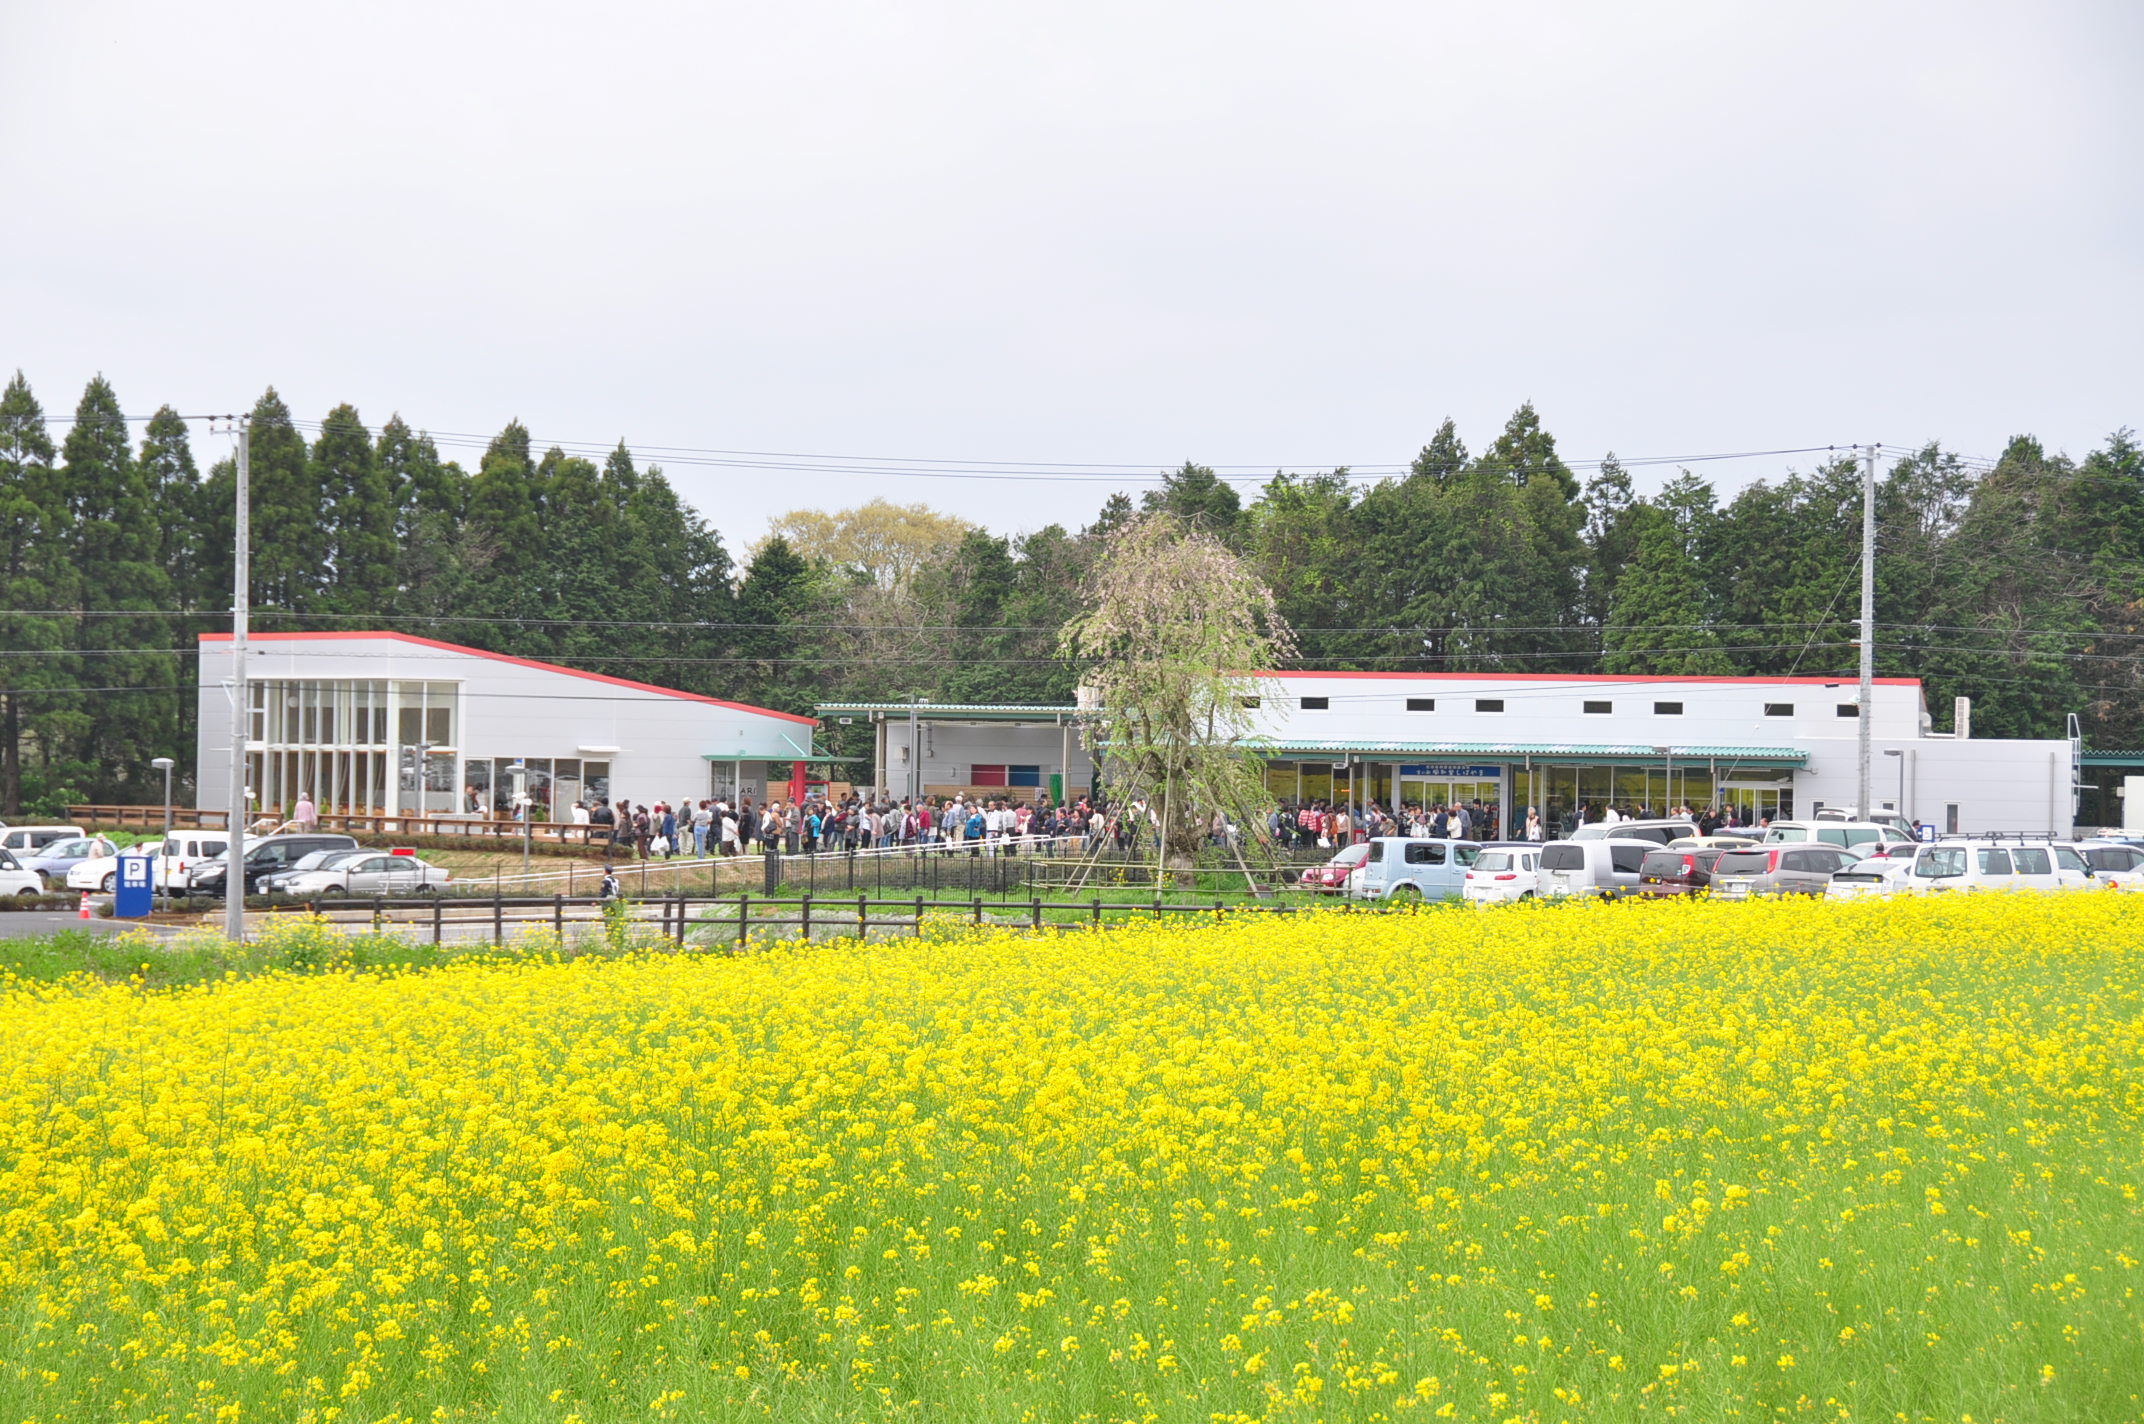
x: 1247, y: 234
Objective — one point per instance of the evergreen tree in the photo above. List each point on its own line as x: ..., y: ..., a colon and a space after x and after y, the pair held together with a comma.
x: 504, y: 520
x: 1300, y: 536
x: 292, y: 553
x: 775, y: 643
x: 361, y: 516
x: 1198, y: 497
x: 1443, y: 457
x: 115, y: 544
x: 1610, y: 534
x: 1661, y: 620
x: 36, y: 583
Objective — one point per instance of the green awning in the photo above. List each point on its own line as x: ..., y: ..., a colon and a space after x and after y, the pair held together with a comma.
x: 2112, y: 756
x: 1569, y: 752
x: 951, y: 711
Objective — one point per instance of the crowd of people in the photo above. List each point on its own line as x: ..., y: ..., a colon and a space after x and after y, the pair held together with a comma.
x: 714, y: 826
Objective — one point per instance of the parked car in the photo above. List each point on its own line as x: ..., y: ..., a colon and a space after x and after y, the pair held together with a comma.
x: 264, y: 857
x: 2114, y: 863
x: 1890, y: 820
x: 1659, y: 832
x: 59, y: 857
x: 376, y: 873
x: 14, y: 880
x: 1331, y: 878
x: 1400, y: 867
x: 1837, y: 833
x: 1778, y: 870
x: 183, y: 851
x: 1956, y: 865
x: 274, y: 882
x: 102, y: 872
x: 1876, y: 875
x: 28, y: 840
x: 1503, y: 875
x: 1683, y: 868
x: 1584, y: 869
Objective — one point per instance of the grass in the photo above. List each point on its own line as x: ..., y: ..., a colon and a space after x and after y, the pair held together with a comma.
x: 1677, y: 1160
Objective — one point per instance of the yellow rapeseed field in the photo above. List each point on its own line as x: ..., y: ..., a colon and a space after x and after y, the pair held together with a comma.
x: 1708, y: 1162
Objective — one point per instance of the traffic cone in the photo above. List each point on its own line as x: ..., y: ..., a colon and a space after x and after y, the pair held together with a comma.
x: 85, y: 906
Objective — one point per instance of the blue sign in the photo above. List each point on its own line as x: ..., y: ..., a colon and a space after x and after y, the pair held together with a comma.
x: 134, y: 893
x: 1450, y: 769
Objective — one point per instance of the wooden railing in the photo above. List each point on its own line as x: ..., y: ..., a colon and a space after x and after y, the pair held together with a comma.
x: 486, y: 829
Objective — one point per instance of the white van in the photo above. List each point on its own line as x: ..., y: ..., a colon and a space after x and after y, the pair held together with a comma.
x: 29, y: 840
x: 1659, y: 831
x: 1969, y: 865
x: 1853, y: 835
x: 1582, y: 869
x: 1403, y: 867
x: 1503, y: 874
x: 183, y: 850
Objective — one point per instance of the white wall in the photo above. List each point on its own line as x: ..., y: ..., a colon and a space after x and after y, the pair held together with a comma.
x: 1548, y: 708
x: 952, y: 749
x: 1997, y: 785
x: 510, y: 709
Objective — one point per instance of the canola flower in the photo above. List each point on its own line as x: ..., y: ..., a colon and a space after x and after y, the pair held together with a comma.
x: 1683, y: 1160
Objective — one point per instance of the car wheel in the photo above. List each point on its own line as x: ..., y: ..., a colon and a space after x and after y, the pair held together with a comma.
x: 1525, y: 895
x: 111, y: 883
x: 427, y: 887
x: 26, y: 893
x: 1405, y: 892
x: 333, y: 892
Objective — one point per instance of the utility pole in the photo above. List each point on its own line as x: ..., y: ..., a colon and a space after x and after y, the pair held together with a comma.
x: 1868, y: 624
x: 915, y: 753
x: 234, y: 880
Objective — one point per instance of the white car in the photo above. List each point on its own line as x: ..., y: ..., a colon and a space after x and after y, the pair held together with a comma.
x: 378, y: 874
x: 1503, y: 875
x: 2115, y: 863
x: 1970, y: 865
x: 14, y: 880
x: 102, y: 872
x: 1877, y: 876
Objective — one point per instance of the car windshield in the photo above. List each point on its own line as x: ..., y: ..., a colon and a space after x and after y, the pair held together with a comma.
x: 1779, y: 834
x: 1353, y: 855
x: 1874, y: 865
x: 1662, y: 862
x: 1742, y: 862
x: 1494, y: 860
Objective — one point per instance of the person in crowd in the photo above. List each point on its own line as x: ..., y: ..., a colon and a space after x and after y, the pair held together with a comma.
x: 305, y: 816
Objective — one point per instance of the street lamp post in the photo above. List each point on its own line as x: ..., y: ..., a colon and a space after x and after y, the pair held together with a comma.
x: 165, y: 764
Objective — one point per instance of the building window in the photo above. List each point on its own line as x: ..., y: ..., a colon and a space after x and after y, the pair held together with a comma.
x: 1849, y: 709
x: 986, y: 776
x: 1488, y: 704
x: 1667, y: 709
x: 1599, y: 709
x: 1316, y: 704
x: 1421, y: 704
x: 1779, y: 709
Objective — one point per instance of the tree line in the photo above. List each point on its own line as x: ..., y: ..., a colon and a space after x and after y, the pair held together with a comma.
x: 2019, y: 585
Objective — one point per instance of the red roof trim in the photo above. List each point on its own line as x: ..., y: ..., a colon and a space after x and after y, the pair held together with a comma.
x: 518, y: 662
x: 1602, y: 677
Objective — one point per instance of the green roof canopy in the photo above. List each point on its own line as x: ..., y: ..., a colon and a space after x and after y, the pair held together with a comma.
x: 1595, y: 752
x: 950, y: 711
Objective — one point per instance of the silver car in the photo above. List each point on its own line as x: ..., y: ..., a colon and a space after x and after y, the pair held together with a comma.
x: 1778, y: 870
x: 375, y: 873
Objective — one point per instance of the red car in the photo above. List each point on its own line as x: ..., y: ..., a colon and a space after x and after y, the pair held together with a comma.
x: 1331, y: 877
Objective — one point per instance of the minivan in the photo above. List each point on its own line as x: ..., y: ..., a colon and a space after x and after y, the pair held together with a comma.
x: 183, y: 850
x: 1582, y: 869
x: 1659, y: 832
x: 1405, y: 867
x: 1824, y: 831
x: 1787, y: 869
x: 1957, y: 865
x: 29, y: 840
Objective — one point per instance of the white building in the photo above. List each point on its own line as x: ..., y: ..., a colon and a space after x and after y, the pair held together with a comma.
x: 391, y: 724
x: 1775, y: 746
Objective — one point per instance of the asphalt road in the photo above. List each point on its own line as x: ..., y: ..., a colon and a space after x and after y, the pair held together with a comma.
x: 16, y: 924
